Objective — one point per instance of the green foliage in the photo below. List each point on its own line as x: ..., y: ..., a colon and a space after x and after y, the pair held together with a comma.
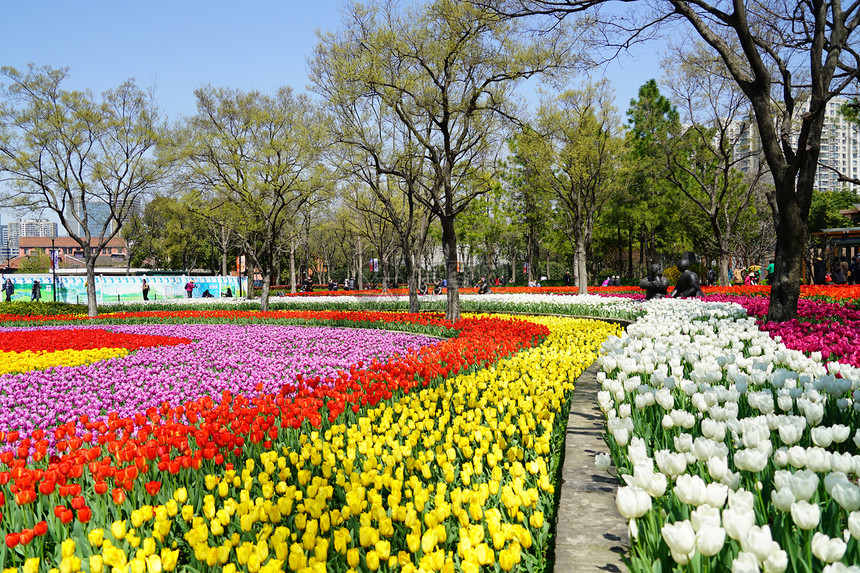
x: 825, y: 206
x: 41, y: 308
x: 38, y: 263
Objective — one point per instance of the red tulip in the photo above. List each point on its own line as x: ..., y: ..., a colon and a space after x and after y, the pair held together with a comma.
x: 152, y: 487
x: 41, y: 528
x: 85, y: 514
x: 118, y: 496
x: 26, y: 536
x: 12, y: 539
x: 100, y: 487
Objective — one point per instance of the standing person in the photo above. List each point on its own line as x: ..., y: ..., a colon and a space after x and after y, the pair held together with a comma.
x: 144, y: 288
x: 36, y: 293
x: 189, y: 288
x: 9, y: 289
x: 712, y: 277
x: 566, y: 278
x: 819, y: 270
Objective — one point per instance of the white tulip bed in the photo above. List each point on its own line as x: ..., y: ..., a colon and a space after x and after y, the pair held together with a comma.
x: 737, y: 453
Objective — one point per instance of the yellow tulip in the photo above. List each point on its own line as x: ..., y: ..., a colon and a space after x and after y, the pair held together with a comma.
x: 118, y: 529
x: 68, y: 548
x: 31, y: 565
x: 352, y: 557
x: 96, y: 537
x: 96, y: 564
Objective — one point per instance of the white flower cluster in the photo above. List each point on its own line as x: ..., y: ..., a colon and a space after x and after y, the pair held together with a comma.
x: 724, y: 437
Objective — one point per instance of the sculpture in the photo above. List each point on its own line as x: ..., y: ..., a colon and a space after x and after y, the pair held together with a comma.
x: 655, y: 284
x: 689, y: 285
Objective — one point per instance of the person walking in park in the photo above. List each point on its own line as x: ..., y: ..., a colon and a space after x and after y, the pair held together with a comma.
x: 36, y: 293
x: 8, y: 289
x: 144, y: 288
x: 189, y: 288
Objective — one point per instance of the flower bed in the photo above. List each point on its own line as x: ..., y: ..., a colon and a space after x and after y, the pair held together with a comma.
x: 737, y: 452
x: 113, y: 468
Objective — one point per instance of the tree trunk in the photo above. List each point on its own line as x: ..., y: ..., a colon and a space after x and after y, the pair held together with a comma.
x: 449, y: 250
x: 791, y: 235
x: 360, y: 265
x: 384, y: 263
x: 224, y: 263
x: 413, y: 277
x: 264, y: 294
x: 579, y: 267
x: 725, y: 279
x: 92, y: 304
x: 293, y: 267
x: 249, y: 272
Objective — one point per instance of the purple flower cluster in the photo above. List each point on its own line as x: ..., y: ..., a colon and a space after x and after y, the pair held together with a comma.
x: 236, y: 358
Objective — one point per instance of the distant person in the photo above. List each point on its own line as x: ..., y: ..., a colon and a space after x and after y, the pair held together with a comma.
x: 36, y: 293
x: 207, y: 294
x: 855, y: 270
x: 819, y: 271
x: 770, y: 268
x: 228, y: 293
x: 606, y: 281
x: 144, y: 288
x: 737, y: 276
x: 8, y: 289
x: 189, y: 289
x: 566, y: 278
x: 712, y: 277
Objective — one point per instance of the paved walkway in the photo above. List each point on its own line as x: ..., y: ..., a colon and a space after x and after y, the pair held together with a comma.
x: 591, y: 535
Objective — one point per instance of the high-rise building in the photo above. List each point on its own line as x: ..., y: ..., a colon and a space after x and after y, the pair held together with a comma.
x: 840, y: 148
x: 5, y: 252
x: 27, y: 228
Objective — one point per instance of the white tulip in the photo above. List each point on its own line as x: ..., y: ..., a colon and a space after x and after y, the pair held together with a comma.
x: 737, y: 522
x: 683, y: 442
x: 745, y: 563
x: 817, y: 460
x: 840, y: 433
x: 632, y: 502
x: 785, y: 402
x: 704, y: 515
x: 841, y: 462
x: 691, y: 490
x: 822, y: 436
x: 805, y: 515
x: 780, y: 457
x: 827, y: 549
x: 667, y: 422
x: 782, y: 499
x: 839, y: 567
x: 790, y: 434
x: 602, y: 461
x: 797, y: 456
x: 741, y: 499
x: 716, y: 494
x: 717, y: 467
x: 758, y: 541
x: 846, y: 494
x: 622, y: 436
x: 656, y: 486
x: 804, y: 484
x: 854, y: 524
x: 670, y: 463
x: 710, y: 539
x: 777, y: 561
x: 680, y: 538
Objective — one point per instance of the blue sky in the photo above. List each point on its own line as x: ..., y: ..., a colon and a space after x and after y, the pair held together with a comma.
x: 180, y: 45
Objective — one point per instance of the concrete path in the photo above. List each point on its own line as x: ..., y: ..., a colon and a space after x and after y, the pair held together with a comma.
x: 590, y: 535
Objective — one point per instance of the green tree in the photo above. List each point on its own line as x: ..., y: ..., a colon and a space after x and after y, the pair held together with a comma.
x: 649, y: 204
x: 580, y: 153
x: 256, y: 154
x: 824, y: 210
x: 789, y: 59
x: 446, y: 70
x: 70, y: 153
x: 37, y: 263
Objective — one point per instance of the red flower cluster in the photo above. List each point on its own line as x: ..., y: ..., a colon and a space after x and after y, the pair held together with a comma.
x: 119, y: 453
x: 85, y: 339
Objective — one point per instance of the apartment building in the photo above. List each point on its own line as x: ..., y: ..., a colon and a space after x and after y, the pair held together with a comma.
x: 840, y: 148
x: 15, y: 230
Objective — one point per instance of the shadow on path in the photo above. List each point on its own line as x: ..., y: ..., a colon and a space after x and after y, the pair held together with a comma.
x: 591, y: 535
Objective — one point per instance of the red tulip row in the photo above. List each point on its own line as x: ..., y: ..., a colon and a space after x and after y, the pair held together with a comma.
x: 51, y: 340
x: 116, y: 454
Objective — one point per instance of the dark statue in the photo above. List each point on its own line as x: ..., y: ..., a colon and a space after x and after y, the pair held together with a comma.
x: 689, y: 285
x: 655, y: 284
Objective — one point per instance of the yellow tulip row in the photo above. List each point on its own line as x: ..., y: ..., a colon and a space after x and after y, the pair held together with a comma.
x: 450, y: 478
x: 12, y: 362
